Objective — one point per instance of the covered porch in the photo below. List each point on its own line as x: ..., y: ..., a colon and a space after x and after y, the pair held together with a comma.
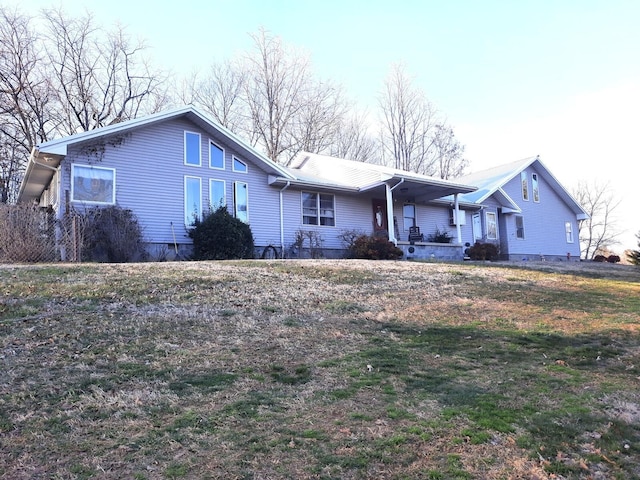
x: 413, y: 191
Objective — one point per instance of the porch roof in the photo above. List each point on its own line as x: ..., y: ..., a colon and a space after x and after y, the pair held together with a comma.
x: 332, y: 172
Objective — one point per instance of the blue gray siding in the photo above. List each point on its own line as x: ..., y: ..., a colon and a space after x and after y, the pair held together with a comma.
x: 150, y: 173
x: 544, y: 223
x: 351, y: 213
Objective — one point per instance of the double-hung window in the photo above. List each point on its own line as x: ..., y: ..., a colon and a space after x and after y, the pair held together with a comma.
x: 520, y: 227
x: 241, y: 201
x: 318, y: 209
x: 492, y: 226
x: 192, y: 200
x: 409, y: 215
x: 568, y: 229
x: 217, y: 194
x: 192, y: 153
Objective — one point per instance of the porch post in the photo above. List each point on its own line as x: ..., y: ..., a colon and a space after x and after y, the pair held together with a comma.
x: 390, y: 226
x: 457, y: 215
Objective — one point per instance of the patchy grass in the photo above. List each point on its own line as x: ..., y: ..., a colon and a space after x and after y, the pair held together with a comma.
x: 319, y: 369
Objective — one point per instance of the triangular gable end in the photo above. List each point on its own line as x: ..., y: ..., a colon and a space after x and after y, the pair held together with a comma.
x: 46, y: 157
x: 490, y: 183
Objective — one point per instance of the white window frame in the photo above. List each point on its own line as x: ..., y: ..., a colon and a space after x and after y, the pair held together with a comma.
x: 236, y: 159
x: 213, y: 144
x: 476, y: 221
x: 214, y: 206
x: 535, y: 188
x: 568, y: 230
x: 324, y: 217
x: 186, y: 150
x: 412, y: 218
x: 524, y: 181
x: 188, y: 217
x: 520, y: 235
x: 489, y: 223
x: 238, y: 212
x: 98, y: 193
x: 309, y: 212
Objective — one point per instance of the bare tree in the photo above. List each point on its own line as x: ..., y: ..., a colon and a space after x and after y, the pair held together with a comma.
x: 11, y: 166
x: 409, y: 120
x: 290, y: 111
x: 25, y: 93
x: 72, y: 77
x: 449, y: 152
x: 221, y: 93
x: 352, y: 140
x: 599, y: 231
x: 317, y: 124
x: 25, y: 99
x: 100, y: 77
x: 413, y: 136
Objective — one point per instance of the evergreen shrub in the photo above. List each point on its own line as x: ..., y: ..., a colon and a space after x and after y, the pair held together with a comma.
x: 220, y: 236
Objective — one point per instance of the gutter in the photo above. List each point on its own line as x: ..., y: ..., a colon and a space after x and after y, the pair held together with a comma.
x: 32, y: 161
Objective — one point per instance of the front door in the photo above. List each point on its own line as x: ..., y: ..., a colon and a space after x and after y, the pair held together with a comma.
x: 379, y: 217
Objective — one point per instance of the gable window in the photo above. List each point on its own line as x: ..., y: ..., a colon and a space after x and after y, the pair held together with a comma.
x: 93, y: 184
x: 217, y: 194
x: 239, y: 166
x: 568, y: 229
x: 534, y: 187
x: 318, y: 209
x: 192, y: 200
x: 520, y: 227
x: 192, y: 149
x: 216, y: 156
x: 492, y: 226
x: 525, y: 186
x: 241, y: 201
x: 409, y: 215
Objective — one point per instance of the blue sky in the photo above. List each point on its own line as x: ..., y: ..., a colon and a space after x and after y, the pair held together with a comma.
x: 555, y: 78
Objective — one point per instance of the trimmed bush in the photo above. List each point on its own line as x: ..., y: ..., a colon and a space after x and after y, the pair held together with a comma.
x: 220, y: 236
x: 613, y: 259
x: 600, y: 258
x: 483, y: 251
x: 374, y: 248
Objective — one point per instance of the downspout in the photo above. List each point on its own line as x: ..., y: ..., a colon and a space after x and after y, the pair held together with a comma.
x: 457, y: 216
x: 282, y: 219
x: 390, y: 225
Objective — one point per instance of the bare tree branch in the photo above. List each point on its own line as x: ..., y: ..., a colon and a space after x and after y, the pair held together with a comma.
x: 412, y: 136
x: 352, y: 140
x: 101, y: 76
x: 599, y: 231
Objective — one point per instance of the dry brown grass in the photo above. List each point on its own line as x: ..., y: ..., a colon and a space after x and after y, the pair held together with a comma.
x: 259, y: 369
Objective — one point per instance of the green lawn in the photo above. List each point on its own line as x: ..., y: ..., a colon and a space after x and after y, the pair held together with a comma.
x: 319, y: 369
